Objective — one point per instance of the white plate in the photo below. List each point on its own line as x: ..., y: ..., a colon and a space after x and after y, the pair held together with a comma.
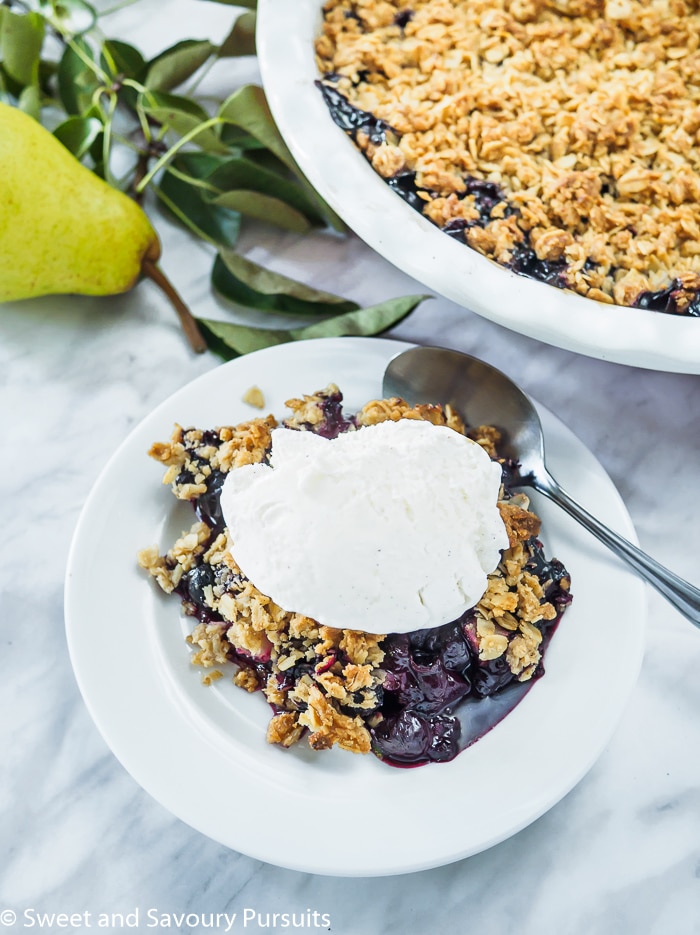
x: 285, y: 36
x: 201, y: 752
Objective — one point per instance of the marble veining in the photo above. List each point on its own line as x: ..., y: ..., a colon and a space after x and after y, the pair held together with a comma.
x: 620, y: 854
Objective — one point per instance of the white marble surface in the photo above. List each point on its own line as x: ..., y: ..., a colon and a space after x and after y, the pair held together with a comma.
x: 620, y: 854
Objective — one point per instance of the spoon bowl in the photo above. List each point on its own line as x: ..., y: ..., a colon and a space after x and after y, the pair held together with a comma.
x: 484, y: 395
x: 479, y: 392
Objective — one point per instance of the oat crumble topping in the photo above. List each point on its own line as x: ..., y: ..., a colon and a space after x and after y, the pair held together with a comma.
x: 254, y: 397
x: 559, y: 138
x: 328, y: 685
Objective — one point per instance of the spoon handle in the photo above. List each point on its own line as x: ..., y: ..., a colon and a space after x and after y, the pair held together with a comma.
x: 681, y: 594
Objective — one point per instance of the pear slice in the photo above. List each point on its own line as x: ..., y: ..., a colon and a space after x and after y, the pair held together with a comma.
x: 65, y: 230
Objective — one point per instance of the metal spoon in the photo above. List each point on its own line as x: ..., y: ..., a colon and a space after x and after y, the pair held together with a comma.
x: 485, y: 396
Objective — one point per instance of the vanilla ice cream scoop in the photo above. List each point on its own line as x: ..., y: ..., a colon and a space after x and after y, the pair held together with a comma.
x: 387, y: 529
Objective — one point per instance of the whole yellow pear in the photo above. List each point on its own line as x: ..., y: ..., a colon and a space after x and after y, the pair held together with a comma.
x: 65, y: 230
x: 62, y: 228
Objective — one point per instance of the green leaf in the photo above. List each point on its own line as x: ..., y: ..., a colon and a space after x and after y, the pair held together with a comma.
x: 252, y: 286
x: 241, y: 39
x: 365, y: 321
x: 171, y: 108
x: 47, y: 76
x: 199, y: 165
x: 30, y: 101
x: 21, y: 41
x: 237, y: 138
x: 217, y: 224
x: 264, y: 159
x: 249, y: 4
x: 178, y: 63
x: 232, y: 340
x: 248, y: 109
x: 267, y: 160
x: 70, y: 17
x: 264, y: 208
x: 245, y: 173
x: 77, y: 80
x: 229, y: 340
x: 121, y: 59
x: 78, y: 134
x: 214, y: 342
x: 182, y: 115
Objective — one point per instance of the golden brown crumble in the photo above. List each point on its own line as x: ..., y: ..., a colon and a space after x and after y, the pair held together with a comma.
x: 306, y: 411
x: 168, y: 569
x: 156, y: 565
x: 254, y: 397
x: 284, y: 729
x: 210, y: 677
x: 514, y: 601
x: 488, y: 437
x: 245, y: 444
x: 585, y: 115
x: 213, y: 646
x: 391, y: 410
x: 520, y: 523
x: 192, y: 455
x: 324, y: 683
x: 327, y: 724
x: 246, y: 679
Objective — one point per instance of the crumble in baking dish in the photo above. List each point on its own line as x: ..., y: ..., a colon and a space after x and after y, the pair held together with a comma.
x: 559, y: 138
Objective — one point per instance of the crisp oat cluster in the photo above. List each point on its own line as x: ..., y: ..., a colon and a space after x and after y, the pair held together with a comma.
x: 557, y: 137
x: 342, y: 686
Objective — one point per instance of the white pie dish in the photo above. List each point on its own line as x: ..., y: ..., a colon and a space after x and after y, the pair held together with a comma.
x: 653, y: 340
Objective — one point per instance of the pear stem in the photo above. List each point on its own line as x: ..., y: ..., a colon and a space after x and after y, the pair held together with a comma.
x: 189, y: 324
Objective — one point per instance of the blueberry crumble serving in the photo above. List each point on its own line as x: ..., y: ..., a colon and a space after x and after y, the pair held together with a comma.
x: 559, y: 138
x: 408, y: 697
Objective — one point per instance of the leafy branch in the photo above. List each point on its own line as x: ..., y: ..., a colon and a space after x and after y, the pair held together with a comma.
x: 212, y: 168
